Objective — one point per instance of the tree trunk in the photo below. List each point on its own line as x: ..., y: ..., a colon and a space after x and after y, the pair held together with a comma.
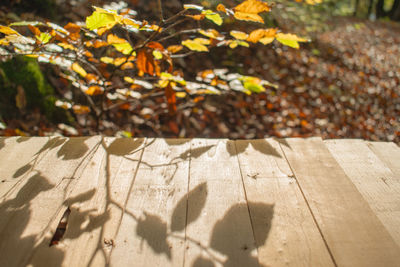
x: 356, y: 8
x: 394, y: 12
x: 380, y: 12
x: 370, y: 4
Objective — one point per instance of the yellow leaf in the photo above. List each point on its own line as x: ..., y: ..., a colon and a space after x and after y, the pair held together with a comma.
x: 67, y: 46
x: 120, y: 44
x: 180, y: 94
x: 202, y: 41
x: 290, y: 39
x: 239, y: 35
x: 7, y: 30
x: 128, y: 79
x: 44, y: 37
x: 210, y: 33
x: 259, y: 34
x: 234, y: 43
x: 214, y: 17
x: 195, y: 46
x: 100, y: 19
x: 157, y: 54
x: 78, y: 69
x: 249, y: 9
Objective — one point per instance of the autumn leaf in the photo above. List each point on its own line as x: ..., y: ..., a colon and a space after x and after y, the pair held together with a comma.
x: 80, y: 109
x: 290, y: 39
x: 249, y: 9
x: 197, y: 17
x: 214, y: 17
x: 120, y: 44
x: 98, y: 20
x: 44, y: 37
x: 145, y: 63
x: 221, y: 8
x: 78, y: 69
x: 239, y: 35
x: 234, y: 43
x: 7, y: 30
x: 197, y: 44
x: 171, y: 99
x: 94, y: 90
x: 174, y: 48
x: 264, y: 36
x: 211, y: 33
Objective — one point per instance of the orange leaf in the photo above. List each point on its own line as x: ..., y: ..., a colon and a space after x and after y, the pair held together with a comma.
x: 78, y: 109
x: 249, y: 9
x: 259, y: 34
x: 34, y: 30
x: 174, y: 48
x: 155, y: 45
x: 171, y: 99
x: 197, y: 17
x: 94, y: 90
x: 74, y: 30
x: 127, y: 66
x: 91, y: 78
x: 145, y: 62
x: 221, y: 8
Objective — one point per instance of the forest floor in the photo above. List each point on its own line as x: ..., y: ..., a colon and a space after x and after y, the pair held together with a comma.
x: 343, y: 84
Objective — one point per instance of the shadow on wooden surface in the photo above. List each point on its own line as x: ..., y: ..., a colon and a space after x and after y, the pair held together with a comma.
x: 17, y: 205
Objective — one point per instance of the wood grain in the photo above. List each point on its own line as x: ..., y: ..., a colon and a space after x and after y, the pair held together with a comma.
x: 284, y: 230
x: 353, y: 233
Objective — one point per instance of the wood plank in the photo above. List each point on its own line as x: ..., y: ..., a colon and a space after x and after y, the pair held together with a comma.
x: 389, y: 154
x: 18, y: 155
x: 353, y: 233
x: 152, y: 228
x: 375, y: 181
x: 32, y: 206
x: 96, y: 204
x: 284, y: 230
x: 218, y: 228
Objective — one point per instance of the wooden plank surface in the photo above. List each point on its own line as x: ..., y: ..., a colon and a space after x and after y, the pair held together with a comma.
x: 152, y: 228
x: 18, y: 156
x: 27, y: 212
x: 285, y: 232
x: 96, y: 204
x: 199, y: 202
x: 218, y: 228
x: 353, y: 233
x: 389, y: 154
x: 373, y: 179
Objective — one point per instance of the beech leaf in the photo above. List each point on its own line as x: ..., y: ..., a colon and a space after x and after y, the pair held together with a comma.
x: 249, y: 9
x: 290, y: 39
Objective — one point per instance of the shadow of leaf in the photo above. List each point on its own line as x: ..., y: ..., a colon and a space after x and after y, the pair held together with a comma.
x: 84, y: 221
x: 35, y: 185
x: 282, y: 142
x: 54, y: 142
x: 197, y: 198
x: 23, y: 139
x: 203, y: 262
x: 22, y: 170
x: 261, y: 217
x: 172, y: 142
x: 2, y: 142
x: 260, y: 145
x: 264, y: 147
x: 195, y: 153
x: 154, y: 231
x: 230, y: 238
x: 74, y: 148
x: 124, y: 146
x: 80, y: 198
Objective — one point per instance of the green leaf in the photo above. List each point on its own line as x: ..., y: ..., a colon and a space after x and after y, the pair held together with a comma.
x: 289, y: 39
x: 214, y: 17
x: 100, y: 19
x: 124, y: 48
x: 44, y: 37
x: 253, y: 87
